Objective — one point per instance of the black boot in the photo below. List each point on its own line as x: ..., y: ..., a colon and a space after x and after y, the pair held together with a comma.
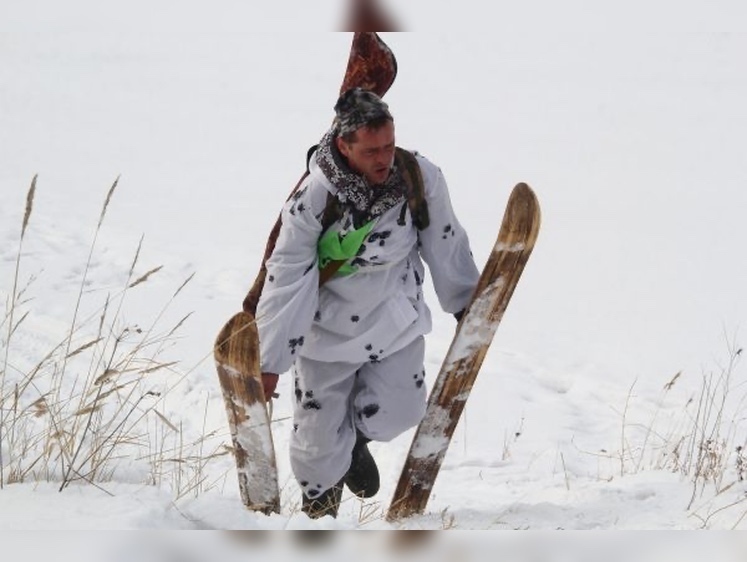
x: 326, y: 503
x: 363, y: 476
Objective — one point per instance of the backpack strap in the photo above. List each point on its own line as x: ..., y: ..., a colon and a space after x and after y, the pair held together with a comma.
x: 332, y: 212
x: 413, y: 177
x: 309, y: 154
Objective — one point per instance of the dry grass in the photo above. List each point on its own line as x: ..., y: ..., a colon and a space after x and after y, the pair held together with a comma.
x: 703, y: 442
x: 93, y: 405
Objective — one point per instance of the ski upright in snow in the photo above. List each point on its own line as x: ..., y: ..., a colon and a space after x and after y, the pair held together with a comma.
x: 236, y: 355
x: 473, y: 337
x: 371, y: 65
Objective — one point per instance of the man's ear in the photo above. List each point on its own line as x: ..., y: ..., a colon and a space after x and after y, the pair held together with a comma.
x: 342, y: 146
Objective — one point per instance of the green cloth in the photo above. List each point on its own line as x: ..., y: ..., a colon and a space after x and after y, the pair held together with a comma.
x: 333, y: 246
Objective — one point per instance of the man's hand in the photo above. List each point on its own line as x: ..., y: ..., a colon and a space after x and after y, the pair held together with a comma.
x: 269, y: 383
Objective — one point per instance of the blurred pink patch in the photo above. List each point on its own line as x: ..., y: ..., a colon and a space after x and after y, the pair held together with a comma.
x: 369, y: 15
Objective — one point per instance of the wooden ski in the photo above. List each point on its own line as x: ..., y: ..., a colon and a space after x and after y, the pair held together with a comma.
x: 237, y: 361
x: 473, y: 337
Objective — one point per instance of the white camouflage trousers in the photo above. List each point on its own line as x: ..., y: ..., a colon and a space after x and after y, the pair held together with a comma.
x: 381, y: 398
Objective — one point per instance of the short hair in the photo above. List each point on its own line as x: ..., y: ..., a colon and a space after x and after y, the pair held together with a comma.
x: 375, y: 124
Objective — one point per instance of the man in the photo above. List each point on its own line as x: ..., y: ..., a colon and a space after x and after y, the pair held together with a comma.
x: 355, y: 344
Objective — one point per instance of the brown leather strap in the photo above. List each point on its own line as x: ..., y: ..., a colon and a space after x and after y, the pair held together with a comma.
x: 326, y: 273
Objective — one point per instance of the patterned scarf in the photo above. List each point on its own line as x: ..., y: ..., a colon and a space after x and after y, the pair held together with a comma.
x: 365, y: 201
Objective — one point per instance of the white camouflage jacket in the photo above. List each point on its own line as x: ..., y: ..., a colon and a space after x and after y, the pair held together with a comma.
x: 379, y: 309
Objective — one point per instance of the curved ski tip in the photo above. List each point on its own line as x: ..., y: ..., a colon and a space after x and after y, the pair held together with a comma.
x: 523, y: 187
x: 239, y: 322
x: 524, y: 192
x: 523, y: 196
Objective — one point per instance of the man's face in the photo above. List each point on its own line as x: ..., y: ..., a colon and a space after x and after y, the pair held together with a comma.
x: 372, y: 153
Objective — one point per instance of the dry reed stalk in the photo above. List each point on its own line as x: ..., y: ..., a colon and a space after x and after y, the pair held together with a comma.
x: 79, y: 299
x: 13, y: 301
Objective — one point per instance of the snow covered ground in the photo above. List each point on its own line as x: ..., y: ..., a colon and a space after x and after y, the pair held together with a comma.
x: 634, y: 143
